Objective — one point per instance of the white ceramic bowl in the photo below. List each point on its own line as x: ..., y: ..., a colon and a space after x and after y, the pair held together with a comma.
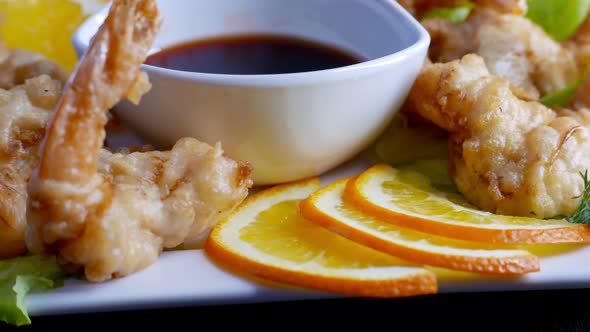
x: 288, y: 126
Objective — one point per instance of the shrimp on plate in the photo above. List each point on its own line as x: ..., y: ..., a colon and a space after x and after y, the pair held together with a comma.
x: 513, y: 48
x: 111, y: 214
x: 507, y: 155
x: 30, y: 87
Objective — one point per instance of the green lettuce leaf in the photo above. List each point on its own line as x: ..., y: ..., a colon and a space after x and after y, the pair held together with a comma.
x: 559, y: 18
x: 562, y: 97
x: 21, y: 276
x: 456, y: 15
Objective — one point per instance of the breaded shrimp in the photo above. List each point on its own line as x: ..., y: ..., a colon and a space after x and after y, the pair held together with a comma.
x: 513, y: 48
x: 18, y: 65
x: 111, y: 214
x: 507, y: 155
x: 30, y: 87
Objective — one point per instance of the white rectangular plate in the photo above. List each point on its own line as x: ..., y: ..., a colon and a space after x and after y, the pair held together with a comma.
x: 181, y: 278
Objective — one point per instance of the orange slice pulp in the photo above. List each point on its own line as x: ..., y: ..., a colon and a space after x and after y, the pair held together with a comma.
x: 327, y: 208
x: 267, y: 237
x: 407, y: 199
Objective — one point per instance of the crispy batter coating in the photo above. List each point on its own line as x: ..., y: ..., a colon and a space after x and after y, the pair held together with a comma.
x: 30, y: 87
x: 111, y: 214
x: 18, y: 65
x: 507, y: 155
x: 513, y: 48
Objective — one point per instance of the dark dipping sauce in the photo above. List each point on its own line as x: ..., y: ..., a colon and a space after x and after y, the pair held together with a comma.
x: 251, y: 55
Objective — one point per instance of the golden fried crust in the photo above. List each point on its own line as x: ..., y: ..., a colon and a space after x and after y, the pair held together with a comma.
x: 107, y: 73
x: 513, y: 48
x: 111, y: 214
x: 508, y: 155
x: 156, y: 200
x: 24, y: 113
x: 19, y: 65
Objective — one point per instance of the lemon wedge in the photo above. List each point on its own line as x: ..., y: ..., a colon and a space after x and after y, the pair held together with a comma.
x: 267, y: 237
x: 327, y: 208
x: 408, y: 200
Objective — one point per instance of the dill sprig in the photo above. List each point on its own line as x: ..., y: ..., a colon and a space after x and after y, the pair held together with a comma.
x: 582, y: 213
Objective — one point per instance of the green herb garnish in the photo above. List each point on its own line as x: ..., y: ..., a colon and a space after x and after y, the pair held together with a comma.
x: 582, y: 213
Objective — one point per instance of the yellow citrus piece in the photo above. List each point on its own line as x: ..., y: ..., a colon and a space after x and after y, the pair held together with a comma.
x: 408, y: 200
x: 267, y: 237
x: 327, y: 208
x: 45, y: 26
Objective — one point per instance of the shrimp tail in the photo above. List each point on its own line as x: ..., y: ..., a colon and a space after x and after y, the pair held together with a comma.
x: 107, y: 72
x: 66, y: 185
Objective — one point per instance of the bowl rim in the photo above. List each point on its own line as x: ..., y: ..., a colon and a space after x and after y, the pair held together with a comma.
x: 80, y: 41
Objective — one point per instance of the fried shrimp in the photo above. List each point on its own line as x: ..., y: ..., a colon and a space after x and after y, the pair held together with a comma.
x: 513, y: 48
x: 30, y: 87
x: 507, y: 155
x: 111, y: 214
x: 18, y: 65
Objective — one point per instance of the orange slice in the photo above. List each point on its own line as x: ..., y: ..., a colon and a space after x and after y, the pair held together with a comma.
x: 328, y: 209
x: 408, y: 200
x: 267, y: 237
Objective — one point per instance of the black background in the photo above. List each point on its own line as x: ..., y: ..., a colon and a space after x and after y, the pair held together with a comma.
x: 562, y: 310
